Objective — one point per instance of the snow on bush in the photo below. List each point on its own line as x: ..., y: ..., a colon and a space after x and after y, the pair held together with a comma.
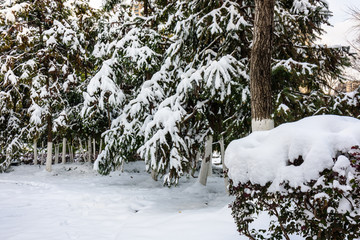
x: 305, y: 175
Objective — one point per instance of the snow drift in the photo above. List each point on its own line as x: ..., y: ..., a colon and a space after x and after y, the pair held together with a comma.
x: 293, y: 152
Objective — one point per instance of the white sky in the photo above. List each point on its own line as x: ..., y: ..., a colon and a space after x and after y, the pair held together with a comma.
x: 342, y: 31
x: 343, y: 25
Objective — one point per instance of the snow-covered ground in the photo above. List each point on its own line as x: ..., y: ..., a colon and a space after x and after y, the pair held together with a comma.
x: 74, y: 202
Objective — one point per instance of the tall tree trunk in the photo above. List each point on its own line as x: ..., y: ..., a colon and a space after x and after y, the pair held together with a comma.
x: 70, y: 152
x: 205, y: 164
x: 154, y: 175
x: 5, y: 165
x: 210, y: 168
x: 56, y: 153
x: 64, y: 151
x: 94, y: 148
x: 146, y: 8
x: 81, y: 149
x: 43, y: 153
x: 35, y: 152
x: 222, y: 152
x: 49, y: 157
x: 197, y: 158
x: 89, y: 149
x: 260, y: 66
x: 49, y: 144
x: 100, y: 147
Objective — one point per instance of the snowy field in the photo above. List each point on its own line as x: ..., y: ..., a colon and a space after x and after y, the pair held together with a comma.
x: 74, y: 202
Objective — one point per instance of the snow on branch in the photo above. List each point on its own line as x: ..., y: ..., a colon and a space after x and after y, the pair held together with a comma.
x: 103, y: 89
x: 306, y: 7
x: 290, y: 65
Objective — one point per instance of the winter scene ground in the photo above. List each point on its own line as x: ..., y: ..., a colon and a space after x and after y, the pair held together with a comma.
x: 74, y: 202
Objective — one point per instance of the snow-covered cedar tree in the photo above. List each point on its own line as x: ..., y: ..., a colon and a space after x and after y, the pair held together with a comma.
x: 166, y: 115
x: 84, y: 20
x: 305, y: 176
x: 14, y: 90
x: 100, y: 92
x: 201, y: 86
x: 13, y: 120
x: 301, y: 71
x: 129, y: 52
x: 44, y: 58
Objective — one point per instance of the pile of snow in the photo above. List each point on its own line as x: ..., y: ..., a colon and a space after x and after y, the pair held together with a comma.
x: 268, y: 156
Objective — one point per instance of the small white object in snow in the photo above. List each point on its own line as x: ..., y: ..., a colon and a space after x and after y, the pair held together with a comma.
x: 268, y: 156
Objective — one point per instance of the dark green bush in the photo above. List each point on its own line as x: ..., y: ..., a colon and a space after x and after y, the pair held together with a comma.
x: 325, y: 208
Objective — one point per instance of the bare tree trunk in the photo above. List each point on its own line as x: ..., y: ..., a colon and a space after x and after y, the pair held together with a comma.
x: 146, y: 8
x: 56, y: 153
x: 94, y: 148
x: 64, y: 151
x: 122, y: 166
x: 210, y: 168
x: 43, y: 155
x: 89, y: 149
x: 70, y: 152
x: 81, y: 148
x: 49, y: 157
x: 100, y: 147
x: 205, y: 164
x: 260, y: 66
x: 35, y: 152
x: 49, y: 144
x: 73, y: 151
x: 222, y: 152
x: 197, y: 158
x: 154, y: 175
x: 5, y: 165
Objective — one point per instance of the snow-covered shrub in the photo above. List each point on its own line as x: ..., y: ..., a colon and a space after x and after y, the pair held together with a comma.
x: 304, y: 175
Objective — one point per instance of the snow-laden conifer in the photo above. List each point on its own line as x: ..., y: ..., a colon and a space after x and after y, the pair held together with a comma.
x: 201, y: 87
x: 48, y: 48
x: 129, y: 52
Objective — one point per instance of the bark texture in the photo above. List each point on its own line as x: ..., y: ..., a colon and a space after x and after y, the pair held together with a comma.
x: 260, y: 65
